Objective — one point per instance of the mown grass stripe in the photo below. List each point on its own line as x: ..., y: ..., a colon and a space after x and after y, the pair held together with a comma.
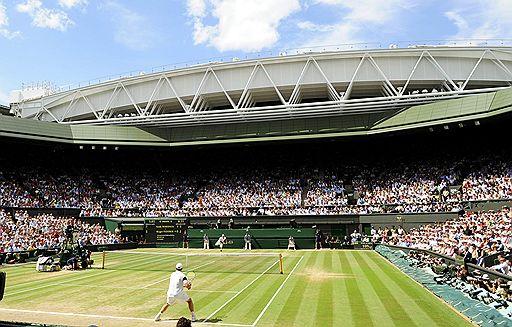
x: 296, y: 304
x: 313, y: 289
x: 246, y: 304
x: 76, y: 275
x: 289, y: 311
x: 252, y: 301
x: 276, y: 293
x: 324, y: 304
x: 134, y: 300
x: 121, y: 261
x: 285, y: 298
x: 21, y: 278
x: 237, y: 269
x: 56, y: 285
x: 209, y: 302
x: 341, y: 309
x: 19, y: 270
x: 373, y: 305
x: 240, y: 292
x: 18, y: 283
x: 56, y: 276
x: 394, y: 311
x: 360, y: 314
x: 425, y: 303
x: 139, y: 276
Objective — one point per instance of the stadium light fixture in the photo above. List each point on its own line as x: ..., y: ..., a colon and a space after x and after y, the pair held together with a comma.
x: 477, y: 123
x: 461, y: 125
x: 431, y: 129
x: 446, y: 127
x: 93, y: 147
x: 104, y: 147
x: 116, y: 148
x: 81, y: 147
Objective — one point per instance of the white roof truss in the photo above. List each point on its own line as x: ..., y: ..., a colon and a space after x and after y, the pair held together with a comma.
x: 246, y: 99
x: 194, y: 104
x: 296, y: 96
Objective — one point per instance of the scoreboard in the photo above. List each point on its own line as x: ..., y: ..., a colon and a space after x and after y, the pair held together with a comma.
x: 165, y: 230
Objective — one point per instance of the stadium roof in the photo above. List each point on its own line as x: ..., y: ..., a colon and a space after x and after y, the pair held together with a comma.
x: 290, y: 97
x: 333, y: 84
x: 466, y: 110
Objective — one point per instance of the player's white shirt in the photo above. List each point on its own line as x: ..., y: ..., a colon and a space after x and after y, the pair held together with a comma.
x: 176, y: 283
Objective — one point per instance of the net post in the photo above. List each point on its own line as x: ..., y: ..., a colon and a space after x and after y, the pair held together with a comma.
x: 280, y: 263
x: 103, y: 260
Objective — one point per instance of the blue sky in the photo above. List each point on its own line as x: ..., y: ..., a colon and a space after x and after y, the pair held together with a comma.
x: 67, y: 42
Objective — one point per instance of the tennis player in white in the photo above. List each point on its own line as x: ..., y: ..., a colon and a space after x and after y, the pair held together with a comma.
x: 177, y: 281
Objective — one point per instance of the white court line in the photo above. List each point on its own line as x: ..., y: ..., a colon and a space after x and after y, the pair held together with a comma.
x: 275, y: 294
x: 166, y: 278
x: 239, y: 292
x: 74, y: 314
x: 112, y: 317
x: 141, y: 288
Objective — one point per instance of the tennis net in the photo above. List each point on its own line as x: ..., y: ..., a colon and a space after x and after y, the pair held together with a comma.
x: 242, y: 262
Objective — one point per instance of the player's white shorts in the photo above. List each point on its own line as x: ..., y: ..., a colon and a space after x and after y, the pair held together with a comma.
x: 180, y: 296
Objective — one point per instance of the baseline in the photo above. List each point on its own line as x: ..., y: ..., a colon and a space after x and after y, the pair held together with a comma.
x: 111, y: 317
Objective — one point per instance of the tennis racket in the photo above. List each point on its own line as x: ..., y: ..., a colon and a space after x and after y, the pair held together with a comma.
x: 191, y: 275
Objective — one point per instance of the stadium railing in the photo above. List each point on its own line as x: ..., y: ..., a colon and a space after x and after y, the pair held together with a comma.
x: 493, y: 274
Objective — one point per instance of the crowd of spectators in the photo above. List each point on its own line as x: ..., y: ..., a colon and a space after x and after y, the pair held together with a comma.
x: 418, y: 186
x: 24, y: 232
x: 35, y: 189
x: 490, y: 181
x: 407, y: 184
x: 496, y: 293
x: 472, y: 237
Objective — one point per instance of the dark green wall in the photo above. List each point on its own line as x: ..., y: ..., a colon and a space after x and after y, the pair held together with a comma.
x: 261, y: 238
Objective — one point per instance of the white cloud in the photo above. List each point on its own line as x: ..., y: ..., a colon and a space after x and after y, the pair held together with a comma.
x: 29, y: 7
x: 457, y: 19
x: 478, y: 19
x: 247, y: 25
x: 44, y: 17
x: 4, y: 20
x: 4, y: 23
x: 357, y: 16
x: 52, y: 19
x: 131, y: 29
x: 307, y: 25
x: 196, y: 8
x: 68, y: 4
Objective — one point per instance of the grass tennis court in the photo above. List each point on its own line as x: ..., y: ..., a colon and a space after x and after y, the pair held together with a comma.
x: 318, y: 288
